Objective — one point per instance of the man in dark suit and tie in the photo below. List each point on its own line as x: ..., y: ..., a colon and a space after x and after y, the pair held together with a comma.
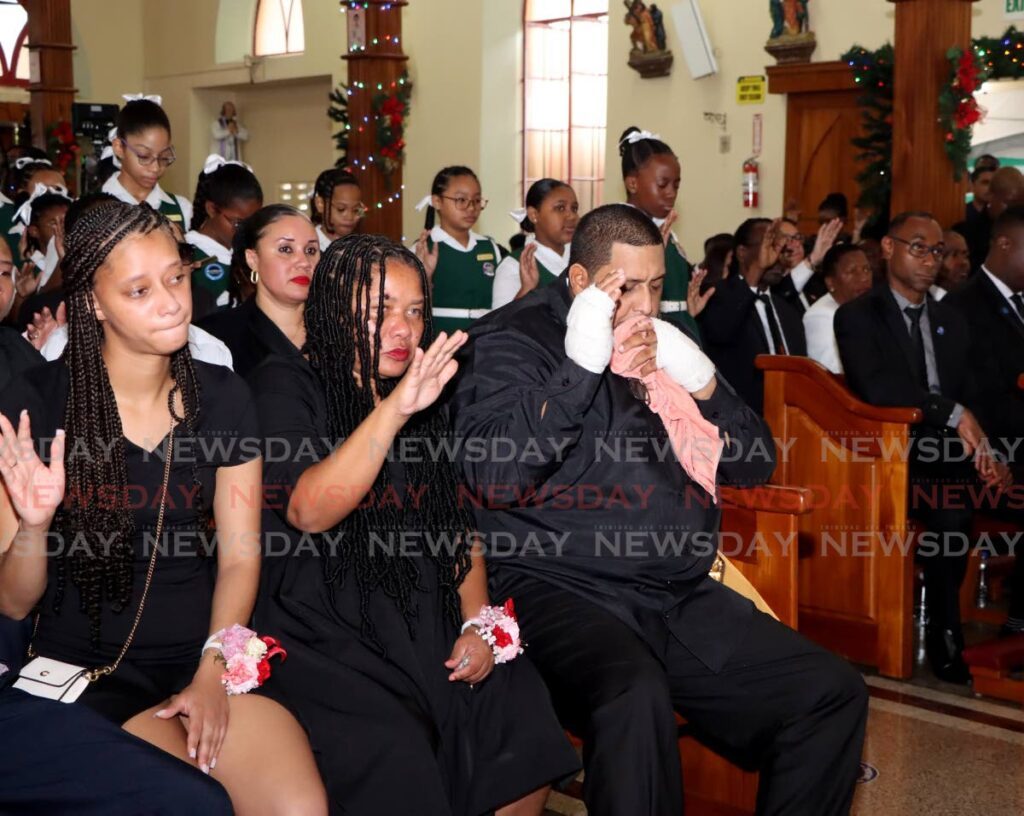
x: 746, y: 317
x: 993, y: 305
x: 901, y: 347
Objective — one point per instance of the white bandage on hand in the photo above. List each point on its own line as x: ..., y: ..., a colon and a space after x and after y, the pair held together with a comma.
x: 589, y: 338
x: 681, y: 358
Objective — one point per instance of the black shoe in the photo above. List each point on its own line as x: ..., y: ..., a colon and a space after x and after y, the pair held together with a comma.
x: 1007, y: 631
x: 944, y: 647
x: 956, y: 671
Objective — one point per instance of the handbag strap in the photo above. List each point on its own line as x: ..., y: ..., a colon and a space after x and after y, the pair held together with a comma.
x: 95, y: 674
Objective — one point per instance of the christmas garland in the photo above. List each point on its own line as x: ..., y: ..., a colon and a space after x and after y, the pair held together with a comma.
x: 390, y: 109
x: 872, y: 71
x: 338, y: 112
x: 958, y: 109
x: 62, y: 145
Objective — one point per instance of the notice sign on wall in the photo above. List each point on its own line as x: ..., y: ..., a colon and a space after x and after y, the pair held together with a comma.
x: 1014, y: 9
x: 750, y: 90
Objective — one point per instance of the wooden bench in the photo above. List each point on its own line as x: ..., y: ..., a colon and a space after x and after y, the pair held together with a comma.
x: 997, y: 668
x: 851, y: 456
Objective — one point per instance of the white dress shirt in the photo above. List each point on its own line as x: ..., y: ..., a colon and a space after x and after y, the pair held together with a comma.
x: 114, y: 187
x: 821, y: 336
x: 506, y: 278
x: 203, y: 345
x: 761, y: 313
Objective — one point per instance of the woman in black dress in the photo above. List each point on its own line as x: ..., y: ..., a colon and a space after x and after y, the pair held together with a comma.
x: 369, y: 575
x: 124, y: 388
x: 275, y: 253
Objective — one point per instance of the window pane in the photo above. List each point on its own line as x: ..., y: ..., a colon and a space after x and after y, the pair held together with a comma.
x: 548, y: 9
x: 23, y: 68
x: 590, y: 7
x: 279, y: 27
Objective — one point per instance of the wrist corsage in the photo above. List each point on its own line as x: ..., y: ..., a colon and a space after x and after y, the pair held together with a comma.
x: 498, y: 626
x: 246, y: 657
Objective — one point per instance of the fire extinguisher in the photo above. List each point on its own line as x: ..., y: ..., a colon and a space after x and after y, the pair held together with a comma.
x: 751, y: 182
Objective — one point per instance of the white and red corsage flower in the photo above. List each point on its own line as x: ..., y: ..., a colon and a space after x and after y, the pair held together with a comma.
x: 499, y: 628
x: 246, y: 657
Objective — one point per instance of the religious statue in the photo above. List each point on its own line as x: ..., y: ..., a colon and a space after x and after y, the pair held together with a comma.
x: 649, y: 54
x: 791, y: 39
x: 228, y: 133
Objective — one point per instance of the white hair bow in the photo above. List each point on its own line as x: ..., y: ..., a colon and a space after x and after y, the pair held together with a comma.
x: 519, y: 215
x: 215, y: 161
x: 425, y: 202
x: 108, y: 150
x: 25, y: 161
x: 24, y: 213
x: 156, y: 99
x: 640, y: 136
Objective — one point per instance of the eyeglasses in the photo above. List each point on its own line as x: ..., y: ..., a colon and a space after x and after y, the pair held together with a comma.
x: 146, y: 160
x: 796, y: 238
x: 463, y: 203
x: 921, y: 250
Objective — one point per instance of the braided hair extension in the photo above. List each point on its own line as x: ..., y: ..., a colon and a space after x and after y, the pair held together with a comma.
x: 224, y: 186
x: 96, y: 508
x: 342, y: 299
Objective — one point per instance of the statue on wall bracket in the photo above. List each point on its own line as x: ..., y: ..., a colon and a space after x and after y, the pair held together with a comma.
x: 649, y: 55
x: 791, y: 40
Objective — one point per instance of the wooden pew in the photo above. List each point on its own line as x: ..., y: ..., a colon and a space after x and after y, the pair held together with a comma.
x: 851, y: 455
x: 761, y: 526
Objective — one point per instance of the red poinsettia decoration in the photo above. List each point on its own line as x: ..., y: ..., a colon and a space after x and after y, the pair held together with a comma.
x: 62, y: 145
x: 967, y: 113
x: 394, y: 109
x: 967, y: 73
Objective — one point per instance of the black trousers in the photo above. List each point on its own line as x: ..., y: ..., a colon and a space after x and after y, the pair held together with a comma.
x: 60, y: 758
x: 781, y: 705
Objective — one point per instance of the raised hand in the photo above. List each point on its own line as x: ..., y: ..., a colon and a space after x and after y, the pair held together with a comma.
x: 28, y: 280
x: 529, y: 275
x: 695, y: 301
x: 428, y: 257
x: 768, y: 255
x: 827, y: 236
x: 36, y: 490
x: 428, y: 374
x: 42, y: 326
x: 666, y: 228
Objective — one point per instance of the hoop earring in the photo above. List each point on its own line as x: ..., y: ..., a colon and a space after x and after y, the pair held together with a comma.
x: 254, y: 276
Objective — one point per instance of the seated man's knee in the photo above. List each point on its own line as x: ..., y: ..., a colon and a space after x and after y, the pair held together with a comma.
x: 198, y: 793
x: 635, y: 690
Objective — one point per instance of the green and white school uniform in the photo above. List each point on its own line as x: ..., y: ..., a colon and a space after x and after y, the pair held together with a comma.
x: 677, y: 282
x: 463, y: 279
x: 7, y: 211
x: 507, y: 281
x: 321, y: 236
x: 215, y: 273
x: 177, y: 208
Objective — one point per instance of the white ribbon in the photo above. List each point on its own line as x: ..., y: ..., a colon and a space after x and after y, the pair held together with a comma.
x: 519, y: 216
x: 24, y: 161
x: 24, y: 213
x: 640, y: 136
x: 215, y: 161
x: 154, y: 98
x: 425, y: 202
x: 108, y: 151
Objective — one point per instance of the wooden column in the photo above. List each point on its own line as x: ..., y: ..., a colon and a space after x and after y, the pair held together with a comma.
x: 922, y: 173
x: 52, y: 91
x: 380, y: 64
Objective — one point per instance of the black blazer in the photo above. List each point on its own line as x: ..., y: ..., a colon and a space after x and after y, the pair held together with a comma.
x: 815, y: 288
x: 733, y: 336
x: 877, y: 356
x: 996, y: 355
x: 248, y: 333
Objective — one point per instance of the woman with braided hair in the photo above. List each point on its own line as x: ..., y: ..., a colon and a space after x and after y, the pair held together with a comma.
x: 133, y: 435
x: 378, y: 574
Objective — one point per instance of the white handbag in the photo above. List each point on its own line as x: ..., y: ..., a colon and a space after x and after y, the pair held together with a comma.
x: 65, y: 682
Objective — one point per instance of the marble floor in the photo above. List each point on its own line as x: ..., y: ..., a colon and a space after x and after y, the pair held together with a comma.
x: 930, y: 751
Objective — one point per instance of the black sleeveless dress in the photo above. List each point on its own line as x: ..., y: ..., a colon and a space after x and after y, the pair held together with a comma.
x: 391, y: 734
x: 165, y: 652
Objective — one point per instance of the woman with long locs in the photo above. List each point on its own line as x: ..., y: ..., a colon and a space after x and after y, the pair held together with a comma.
x: 126, y: 412
x: 389, y: 669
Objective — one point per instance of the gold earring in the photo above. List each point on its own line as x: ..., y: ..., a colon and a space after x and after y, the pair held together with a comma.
x: 254, y: 276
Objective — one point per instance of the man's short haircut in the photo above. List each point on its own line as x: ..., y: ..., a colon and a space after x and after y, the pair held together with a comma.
x: 897, y: 222
x: 978, y: 172
x: 1011, y: 219
x: 607, y: 225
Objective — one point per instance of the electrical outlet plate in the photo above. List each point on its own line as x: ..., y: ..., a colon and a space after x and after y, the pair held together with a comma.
x: 724, y: 143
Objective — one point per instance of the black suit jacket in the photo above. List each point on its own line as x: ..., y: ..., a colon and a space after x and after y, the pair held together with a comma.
x: 248, y: 333
x: 877, y: 355
x: 734, y: 335
x: 996, y: 355
x: 814, y: 289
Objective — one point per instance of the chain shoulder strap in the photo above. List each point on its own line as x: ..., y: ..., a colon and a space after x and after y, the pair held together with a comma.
x: 96, y: 674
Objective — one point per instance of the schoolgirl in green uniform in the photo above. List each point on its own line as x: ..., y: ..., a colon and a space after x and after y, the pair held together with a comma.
x: 461, y: 263
x: 336, y: 206
x: 27, y: 173
x: 227, y: 193
x: 142, y: 148
x: 549, y: 221
x: 651, y: 173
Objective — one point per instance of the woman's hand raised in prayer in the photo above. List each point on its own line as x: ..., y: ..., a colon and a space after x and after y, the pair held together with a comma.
x: 428, y: 257
x: 428, y: 374
x: 529, y: 274
x: 36, y: 490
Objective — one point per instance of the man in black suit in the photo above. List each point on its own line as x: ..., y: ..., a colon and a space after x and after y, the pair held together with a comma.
x: 746, y: 317
x: 993, y: 304
x: 901, y: 347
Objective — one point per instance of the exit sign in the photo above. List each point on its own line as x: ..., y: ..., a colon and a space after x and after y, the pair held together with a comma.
x: 1014, y: 9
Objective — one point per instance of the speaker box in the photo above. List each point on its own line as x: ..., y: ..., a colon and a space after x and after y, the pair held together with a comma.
x: 693, y: 38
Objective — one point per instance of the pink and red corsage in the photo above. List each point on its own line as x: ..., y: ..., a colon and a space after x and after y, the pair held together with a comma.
x: 246, y: 657
x: 499, y: 628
